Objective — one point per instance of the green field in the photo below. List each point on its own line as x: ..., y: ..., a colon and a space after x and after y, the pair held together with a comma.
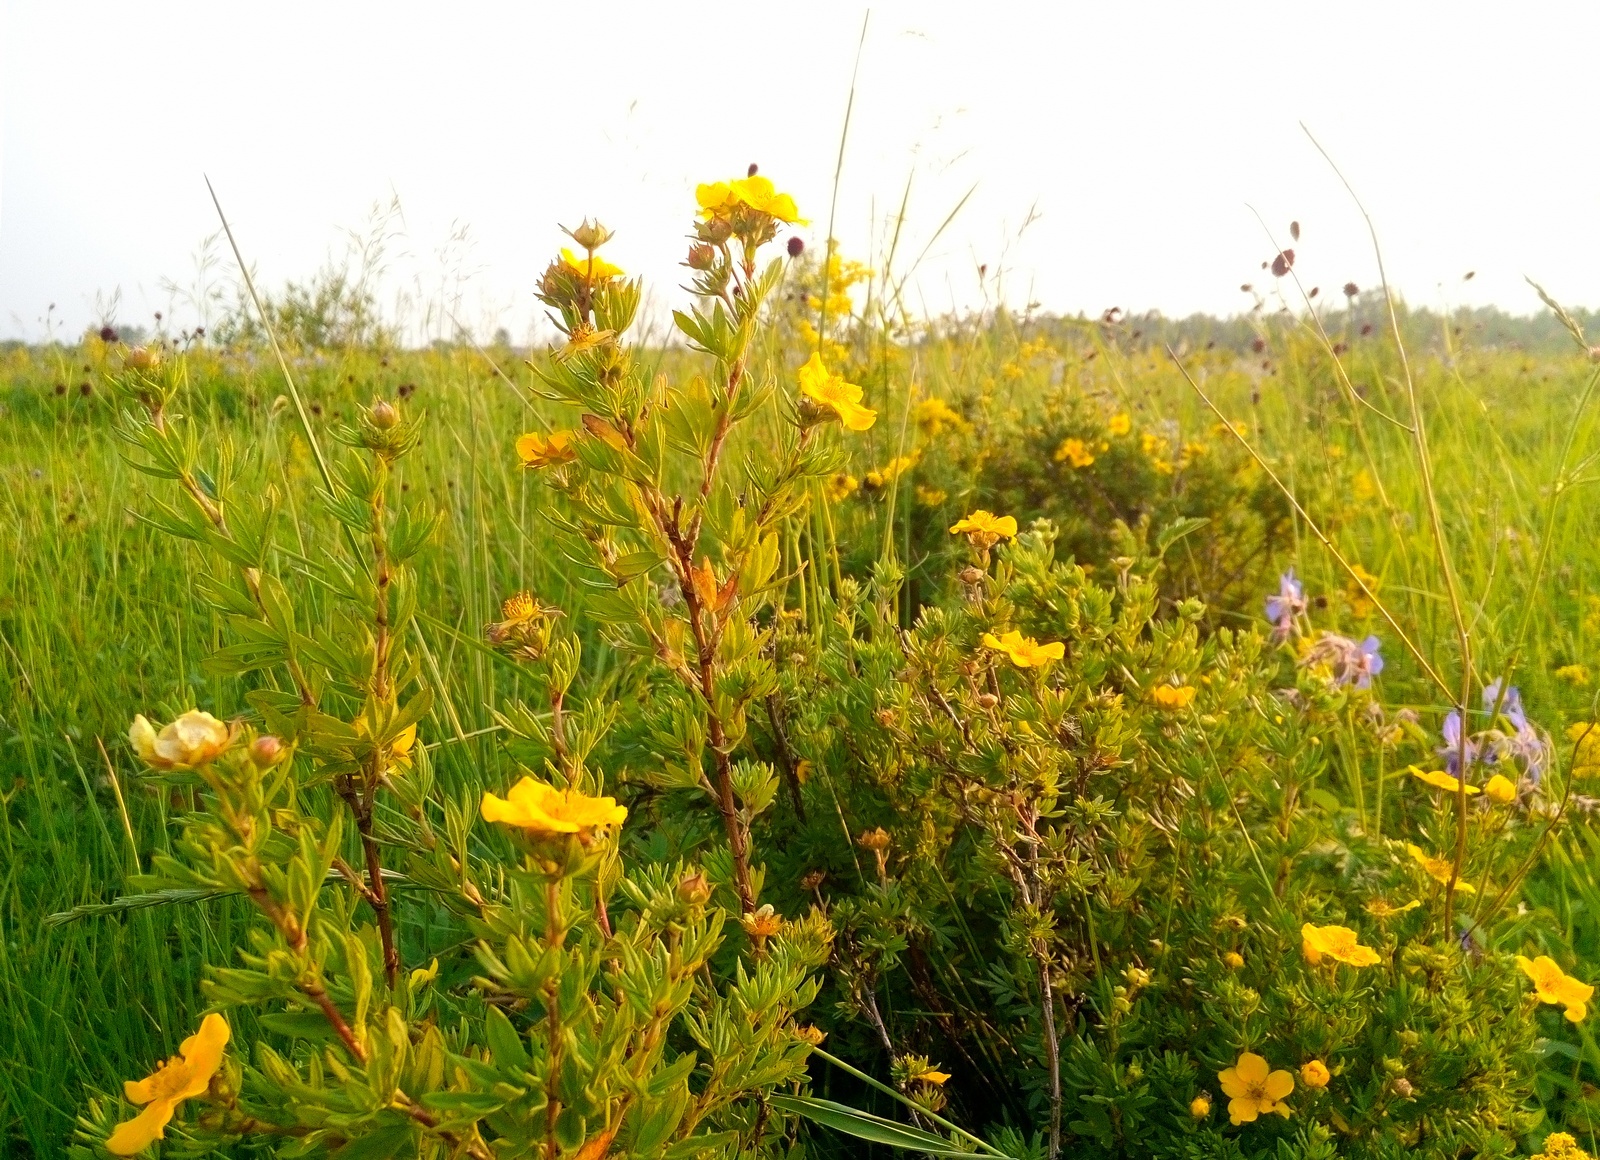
x: 102, y: 617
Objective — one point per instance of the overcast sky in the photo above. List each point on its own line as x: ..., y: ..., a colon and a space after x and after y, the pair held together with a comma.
x: 1116, y: 149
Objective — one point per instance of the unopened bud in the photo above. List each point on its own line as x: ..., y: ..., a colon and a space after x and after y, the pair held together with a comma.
x: 1402, y: 1087
x: 988, y: 700
x: 383, y: 415
x: 716, y: 230
x: 970, y: 575
x: 701, y: 256
x: 694, y: 889
x: 142, y: 358
x: 875, y: 839
x: 266, y: 751
x: 591, y: 235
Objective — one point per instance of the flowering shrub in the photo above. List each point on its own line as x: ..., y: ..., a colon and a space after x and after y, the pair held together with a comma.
x: 1042, y: 848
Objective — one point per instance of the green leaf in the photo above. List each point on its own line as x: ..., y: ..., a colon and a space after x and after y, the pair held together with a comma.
x: 472, y: 1103
x: 864, y: 1126
x: 504, y: 1042
x: 1176, y: 530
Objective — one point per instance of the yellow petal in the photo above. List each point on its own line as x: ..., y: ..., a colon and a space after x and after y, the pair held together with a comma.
x: 1252, y: 1068
x: 1279, y: 1084
x: 134, y: 1136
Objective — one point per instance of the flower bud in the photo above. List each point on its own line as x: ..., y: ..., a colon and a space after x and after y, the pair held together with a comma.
x: 988, y: 700
x: 875, y: 839
x: 1200, y: 1106
x: 142, y: 358
x: 383, y: 415
x: 1402, y: 1087
x: 797, y: 246
x: 701, y: 256
x: 694, y: 890
x: 716, y: 231
x: 970, y: 575
x: 591, y: 235
x: 1233, y: 960
x: 1315, y: 1074
x: 811, y: 1035
x: 266, y: 751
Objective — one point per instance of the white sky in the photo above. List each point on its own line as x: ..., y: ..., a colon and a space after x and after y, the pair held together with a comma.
x: 1140, y: 135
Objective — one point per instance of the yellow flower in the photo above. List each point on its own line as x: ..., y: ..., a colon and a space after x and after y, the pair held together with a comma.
x: 193, y: 740
x: 983, y: 529
x: 714, y: 197
x: 1253, y: 1089
x: 1120, y: 423
x: 930, y: 496
x: 840, y: 487
x: 830, y: 392
x: 536, y: 450
x: 1556, y: 986
x: 590, y: 267
x: 1500, y: 790
x: 759, y: 194
x: 1576, y: 674
x: 809, y: 1034
x: 184, y: 1076
x: 400, y: 747
x: 1024, y: 651
x: 1335, y: 942
x: 1586, y: 754
x: 1233, y: 960
x: 1360, y: 603
x: 1439, y: 779
x: 1173, y: 696
x: 1438, y: 868
x: 763, y: 922
x: 1200, y: 1106
x: 544, y: 810
x: 1314, y: 1074
x: 1075, y: 452
x: 919, y: 1070
x: 1560, y: 1146
x: 933, y: 415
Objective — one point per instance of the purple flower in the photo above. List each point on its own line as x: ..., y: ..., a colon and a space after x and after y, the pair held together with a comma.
x: 1365, y: 663
x: 1511, y: 710
x: 1289, y: 603
x: 1348, y: 663
x: 1452, y: 745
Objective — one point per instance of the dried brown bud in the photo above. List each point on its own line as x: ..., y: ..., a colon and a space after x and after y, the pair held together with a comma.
x: 590, y: 235
x: 1283, y: 263
x: 988, y: 700
x: 812, y: 880
x: 874, y: 839
x: 970, y: 575
x: 701, y: 256
x: 1402, y: 1087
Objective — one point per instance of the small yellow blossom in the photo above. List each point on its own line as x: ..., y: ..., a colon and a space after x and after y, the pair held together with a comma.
x: 193, y: 740
x: 1557, y: 987
x: 1439, y: 779
x: 1339, y: 943
x: 1253, y: 1089
x: 1360, y: 603
x: 761, y: 195
x: 1074, y: 451
x: 1233, y: 960
x: 1314, y: 1074
x: 544, y: 811
x: 1586, y: 753
x: 920, y: 1070
x: 1173, y: 696
x: 809, y: 1034
x: 984, y: 528
x: 1574, y: 674
x: 763, y: 922
x: 1438, y: 868
x: 930, y: 496
x: 184, y: 1076
x: 1024, y: 651
x: 713, y: 198
x: 832, y: 394
x: 1200, y: 1106
x: 591, y: 267
x: 1120, y: 423
x: 840, y: 486
x: 934, y: 415
x: 536, y: 450
x: 1560, y: 1146
x: 1500, y: 790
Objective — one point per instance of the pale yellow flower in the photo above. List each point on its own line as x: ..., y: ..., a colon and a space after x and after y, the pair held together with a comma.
x: 193, y: 740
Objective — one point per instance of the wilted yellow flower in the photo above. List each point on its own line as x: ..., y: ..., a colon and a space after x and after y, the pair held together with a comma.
x: 1173, y: 696
x: 193, y: 740
x: 810, y: 1034
x: 874, y: 839
x: 1339, y: 943
x: 1382, y: 908
x: 1253, y: 1089
x: 984, y: 528
x: 1557, y: 987
x: 1024, y: 651
x: 591, y: 267
x: 536, y: 450
x: 1314, y: 1074
x: 1074, y: 451
x: 762, y: 923
x: 1575, y: 674
x: 184, y: 1076
x: 1120, y: 423
x: 830, y: 392
x: 1438, y: 868
x: 1439, y: 779
x: 543, y: 810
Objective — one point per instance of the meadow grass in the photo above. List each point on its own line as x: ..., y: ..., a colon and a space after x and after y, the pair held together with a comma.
x: 97, y: 619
